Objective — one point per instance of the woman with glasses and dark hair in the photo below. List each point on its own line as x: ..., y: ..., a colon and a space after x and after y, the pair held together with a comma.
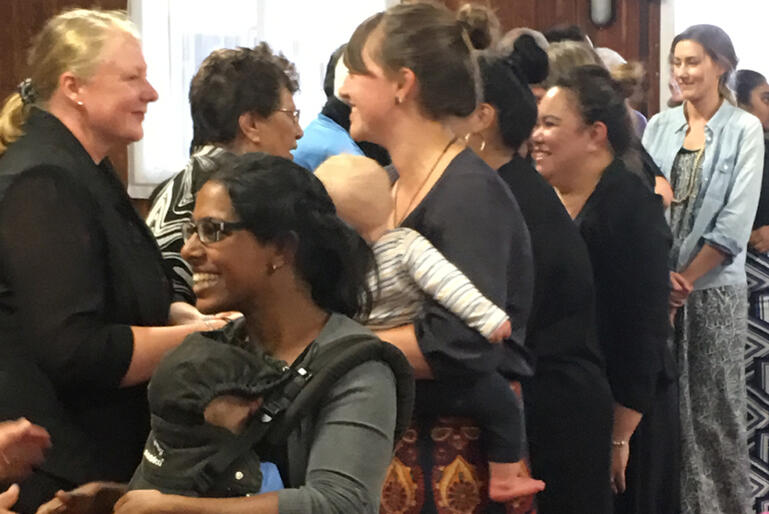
x: 265, y: 240
x: 241, y: 100
x: 713, y: 154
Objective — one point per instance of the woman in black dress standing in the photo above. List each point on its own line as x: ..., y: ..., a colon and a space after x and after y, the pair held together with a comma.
x: 567, y: 402
x: 582, y: 131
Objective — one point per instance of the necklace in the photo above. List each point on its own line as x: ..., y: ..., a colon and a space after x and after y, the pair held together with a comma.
x: 692, y: 177
x: 396, y: 221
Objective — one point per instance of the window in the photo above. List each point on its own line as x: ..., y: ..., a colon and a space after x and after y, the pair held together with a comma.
x: 178, y: 34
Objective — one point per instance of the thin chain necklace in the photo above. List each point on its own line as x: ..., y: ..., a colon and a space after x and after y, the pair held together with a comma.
x: 692, y: 177
x: 396, y: 221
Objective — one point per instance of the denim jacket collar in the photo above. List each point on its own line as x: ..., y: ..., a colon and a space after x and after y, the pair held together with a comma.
x: 718, y: 120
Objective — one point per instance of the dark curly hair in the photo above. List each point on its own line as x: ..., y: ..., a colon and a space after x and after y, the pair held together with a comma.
x: 231, y: 82
x: 277, y: 199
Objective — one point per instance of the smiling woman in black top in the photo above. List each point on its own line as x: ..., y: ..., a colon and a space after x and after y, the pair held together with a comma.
x: 582, y: 131
x: 83, y: 289
x: 567, y: 401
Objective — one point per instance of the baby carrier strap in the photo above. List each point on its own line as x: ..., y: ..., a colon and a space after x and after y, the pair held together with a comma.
x: 284, y: 408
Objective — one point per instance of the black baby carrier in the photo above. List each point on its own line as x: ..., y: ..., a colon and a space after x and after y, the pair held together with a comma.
x: 185, y: 455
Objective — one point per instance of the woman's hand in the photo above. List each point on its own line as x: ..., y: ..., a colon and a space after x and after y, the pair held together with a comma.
x: 759, y: 239
x: 620, y: 453
x: 91, y: 498
x: 182, y: 313
x: 8, y: 499
x: 143, y: 501
x: 22, y: 445
x: 680, y: 290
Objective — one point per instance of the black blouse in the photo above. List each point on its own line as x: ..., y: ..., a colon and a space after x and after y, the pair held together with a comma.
x: 627, y: 237
x: 471, y: 217
x: 562, y: 322
x: 78, y: 266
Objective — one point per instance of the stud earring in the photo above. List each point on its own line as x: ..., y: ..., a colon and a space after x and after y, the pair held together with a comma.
x: 398, y: 100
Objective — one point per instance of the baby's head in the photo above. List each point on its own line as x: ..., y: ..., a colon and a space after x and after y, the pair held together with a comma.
x: 360, y: 190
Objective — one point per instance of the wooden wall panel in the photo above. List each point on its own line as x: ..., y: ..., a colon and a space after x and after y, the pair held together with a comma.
x: 20, y: 20
x: 634, y: 31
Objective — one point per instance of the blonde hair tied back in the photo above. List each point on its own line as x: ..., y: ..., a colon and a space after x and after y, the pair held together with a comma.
x: 71, y: 41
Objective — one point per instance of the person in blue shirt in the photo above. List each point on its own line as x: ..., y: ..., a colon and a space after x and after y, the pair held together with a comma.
x: 327, y: 134
x: 712, y: 153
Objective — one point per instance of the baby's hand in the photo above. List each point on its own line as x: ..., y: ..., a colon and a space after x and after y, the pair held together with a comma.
x: 502, y: 332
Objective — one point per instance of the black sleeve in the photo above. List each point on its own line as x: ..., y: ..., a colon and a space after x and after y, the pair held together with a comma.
x: 650, y: 167
x: 638, y: 284
x: 51, y: 254
x: 476, y: 236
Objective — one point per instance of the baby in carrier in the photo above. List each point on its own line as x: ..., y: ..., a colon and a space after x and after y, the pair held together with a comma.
x: 201, y: 397
x: 409, y: 270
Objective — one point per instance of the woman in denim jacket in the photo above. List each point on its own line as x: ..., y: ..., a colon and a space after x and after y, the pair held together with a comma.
x: 712, y: 154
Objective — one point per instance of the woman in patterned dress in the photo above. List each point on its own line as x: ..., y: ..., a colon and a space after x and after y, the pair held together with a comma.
x: 752, y: 92
x: 712, y: 154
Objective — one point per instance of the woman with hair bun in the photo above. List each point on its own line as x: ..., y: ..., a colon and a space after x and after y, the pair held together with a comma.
x: 582, y: 132
x: 569, y: 382
x: 411, y: 74
x: 712, y: 152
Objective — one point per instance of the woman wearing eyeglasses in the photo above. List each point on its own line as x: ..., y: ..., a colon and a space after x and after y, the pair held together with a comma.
x: 264, y: 240
x: 83, y: 288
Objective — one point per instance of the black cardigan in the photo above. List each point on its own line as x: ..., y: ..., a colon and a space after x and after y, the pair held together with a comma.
x: 628, y: 239
x: 78, y: 266
x: 561, y: 325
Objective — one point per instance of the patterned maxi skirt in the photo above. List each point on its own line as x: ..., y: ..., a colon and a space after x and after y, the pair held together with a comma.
x: 710, y: 341
x: 757, y: 376
x: 440, y: 468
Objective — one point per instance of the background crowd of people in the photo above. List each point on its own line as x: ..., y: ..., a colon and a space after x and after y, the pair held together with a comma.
x: 538, y: 304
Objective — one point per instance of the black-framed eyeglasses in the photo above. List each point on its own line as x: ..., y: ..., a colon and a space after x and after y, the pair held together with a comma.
x: 294, y: 113
x: 210, y: 230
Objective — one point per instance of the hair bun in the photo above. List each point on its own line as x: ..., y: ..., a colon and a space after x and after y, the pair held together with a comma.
x: 528, y: 60
x: 481, y: 24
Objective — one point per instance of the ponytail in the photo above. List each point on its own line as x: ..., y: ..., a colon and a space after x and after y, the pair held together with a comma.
x: 12, y: 118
